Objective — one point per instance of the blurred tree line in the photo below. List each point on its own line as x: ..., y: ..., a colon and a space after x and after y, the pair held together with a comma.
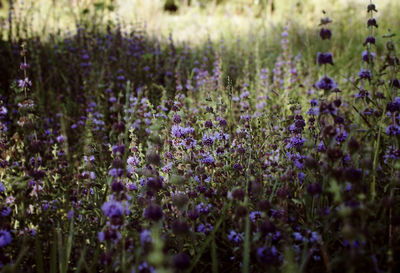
x: 263, y: 5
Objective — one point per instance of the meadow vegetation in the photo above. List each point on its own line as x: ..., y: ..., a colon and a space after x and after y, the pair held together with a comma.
x: 228, y: 136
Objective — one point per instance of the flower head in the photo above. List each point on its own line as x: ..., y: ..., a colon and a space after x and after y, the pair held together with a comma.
x: 326, y: 83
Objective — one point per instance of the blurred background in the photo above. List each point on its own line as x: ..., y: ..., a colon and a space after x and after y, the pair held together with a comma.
x: 195, y: 20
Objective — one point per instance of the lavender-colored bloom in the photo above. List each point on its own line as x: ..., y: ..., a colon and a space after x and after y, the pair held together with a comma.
x: 255, y: 215
x: 362, y: 94
x: 208, y: 140
x: 145, y: 237
x: 207, y: 159
x: 325, y: 33
x: 235, y: 237
x: 369, y: 40
x: 203, y: 208
x: 393, y: 130
x: 324, y: 58
x: 321, y: 147
x: 116, y: 172
x: 131, y: 186
x: 298, y: 237
x: 205, y: 228
x: 133, y: 160
x: 364, y: 74
x: 100, y: 236
x: 113, y: 209
x: 295, y: 142
x: 5, y: 238
x: 2, y: 188
x: 5, y: 211
x: 367, y: 57
x: 267, y: 255
x: 326, y: 83
x: 24, y: 83
x: 341, y: 137
x: 189, y: 143
x: 153, y: 212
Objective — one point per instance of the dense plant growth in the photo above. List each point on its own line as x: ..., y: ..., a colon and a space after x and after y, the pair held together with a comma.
x: 121, y: 153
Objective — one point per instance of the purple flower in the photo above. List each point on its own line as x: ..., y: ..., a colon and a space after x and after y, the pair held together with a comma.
x: 206, y: 229
x: 24, y: 83
x: 133, y: 160
x: 145, y: 237
x: 208, y: 140
x: 113, y: 209
x: 367, y: 57
x: 324, y: 58
x: 2, y: 188
x: 364, y: 74
x: 207, y: 160
x: 189, y: 143
x: 393, y: 130
x: 5, y: 238
x: 325, y: 33
x: 372, y: 23
x: 341, y: 137
x: 61, y: 139
x: 326, y: 83
x: 369, y: 40
x: 153, y: 212
x: 5, y: 211
x: 235, y: 237
x: 255, y: 215
x: 116, y: 172
x: 203, y: 208
x: 295, y: 142
x: 267, y: 255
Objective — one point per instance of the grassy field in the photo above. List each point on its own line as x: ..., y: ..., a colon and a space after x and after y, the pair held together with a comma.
x: 228, y: 136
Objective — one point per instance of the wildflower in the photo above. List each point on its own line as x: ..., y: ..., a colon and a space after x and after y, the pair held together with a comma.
x: 325, y: 33
x: 324, y: 58
x: 372, y: 23
x: 189, y: 143
x: 207, y: 160
x: 5, y: 237
x: 133, y: 160
x: 208, y: 140
x: 371, y: 7
x: 208, y: 124
x: 5, y: 211
x: 295, y: 142
x: 24, y: 83
x: 255, y: 215
x: 369, y: 40
x: 393, y: 130
x: 367, y: 56
x: 364, y: 74
x: 267, y: 256
x: 2, y: 188
x: 153, y: 212
x: 235, y: 237
x: 61, y: 139
x: 205, y: 228
x: 326, y: 83
x: 176, y: 118
x: 113, y: 209
x: 341, y: 137
x: 145, y: 237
